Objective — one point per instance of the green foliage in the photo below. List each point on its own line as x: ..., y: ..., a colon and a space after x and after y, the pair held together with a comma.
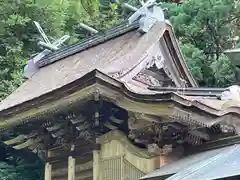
x: 18, y: 36
x: 18, y: 41
x: 207, y: 27
x: 19, y: 165
x: 223, y: 71
x: 238, y: 44
x: 196, y: 59
x: 21, y: 169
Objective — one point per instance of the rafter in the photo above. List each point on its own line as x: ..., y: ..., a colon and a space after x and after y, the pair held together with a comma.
x: 78, y: 120
x: 114, y: 119
x: 59, y: 133
x: 20, y: 138
x: 54, y: 127
x: 28, y: 143
x: 16, y: 140
x: 83, y: 126
x: 200, y: 134
x: 110, y: 126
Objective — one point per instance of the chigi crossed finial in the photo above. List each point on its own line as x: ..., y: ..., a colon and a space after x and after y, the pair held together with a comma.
x: 148, y: 14
x: 31, y: 68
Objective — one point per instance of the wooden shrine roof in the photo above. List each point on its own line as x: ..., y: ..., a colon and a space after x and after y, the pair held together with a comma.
x: 119, y: 51
x: 107, y: 64
x: 204, y: 111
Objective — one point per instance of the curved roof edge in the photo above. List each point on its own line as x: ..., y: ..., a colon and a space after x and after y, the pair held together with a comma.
x: 94, y: 80
x: 24, y: 93
x: 180, y: 58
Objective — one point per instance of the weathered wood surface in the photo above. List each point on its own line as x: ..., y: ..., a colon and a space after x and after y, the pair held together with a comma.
x: 96, y: 165
x: 115, y: 144
x: 71, y: 168
x: 61, y: 171
x: 78, y: 175
x: 48, y: 172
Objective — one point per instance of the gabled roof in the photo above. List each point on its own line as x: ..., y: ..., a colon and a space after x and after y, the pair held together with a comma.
x: 200, y: 111
x: 118, y: 52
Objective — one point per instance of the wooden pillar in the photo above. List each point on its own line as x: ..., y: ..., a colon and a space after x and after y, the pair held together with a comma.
x: 122, y: 168
x: 48, y: 168
x: 71, y: 168
x: 96, y: 163
x: 48, y: 171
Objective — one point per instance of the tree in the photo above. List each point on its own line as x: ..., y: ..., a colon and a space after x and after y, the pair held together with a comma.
x: 207, y: 27
x: 18, y: 36
x: 17, y: 164
x: 18, y: 42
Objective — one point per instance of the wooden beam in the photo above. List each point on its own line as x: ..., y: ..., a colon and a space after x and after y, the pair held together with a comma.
x: 79, y: 167
x: 80, y: 150
x: 114, y: 119
x: 77, y: 178
x: 84, y: 178
x: 59, y: 133
x: 79, y: 144
x: 83, y: 126
x: 84, y: 175
x: 33, y: 147
x: 16, y: 140
x: 84, y: 157
x: 199, y: 133
x: 28, y: 143
x: 77, y: 120
x: 110, y: 126
x: 54, y: 128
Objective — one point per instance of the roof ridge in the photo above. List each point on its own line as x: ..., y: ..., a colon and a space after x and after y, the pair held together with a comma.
x: 89, y: 42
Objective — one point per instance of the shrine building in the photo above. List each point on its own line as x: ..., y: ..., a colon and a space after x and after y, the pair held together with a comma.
x: 123, y: 106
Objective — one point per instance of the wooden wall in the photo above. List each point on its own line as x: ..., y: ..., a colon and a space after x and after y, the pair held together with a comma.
x: 119, y: 159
